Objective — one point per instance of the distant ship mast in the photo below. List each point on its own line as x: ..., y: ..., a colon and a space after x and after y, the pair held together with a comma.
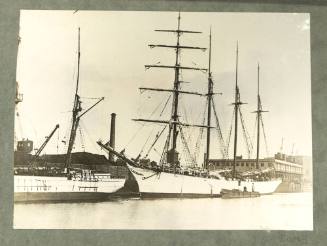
x: 237, y: 105
x: 259, y: 117
x: 170, y: 149
x: 209, y: 96
x: 76, y: 116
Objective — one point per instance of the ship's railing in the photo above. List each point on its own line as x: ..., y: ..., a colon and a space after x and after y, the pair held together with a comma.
x: 89, y: 176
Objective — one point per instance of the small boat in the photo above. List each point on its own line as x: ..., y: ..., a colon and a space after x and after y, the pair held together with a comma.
x: 235, y: 193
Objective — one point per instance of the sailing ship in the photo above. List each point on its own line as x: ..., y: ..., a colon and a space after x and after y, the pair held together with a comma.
x: 70, y: 184
x: 170, y: 178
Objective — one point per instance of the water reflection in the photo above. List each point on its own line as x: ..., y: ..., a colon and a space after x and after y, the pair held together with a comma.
x: 292, y: 211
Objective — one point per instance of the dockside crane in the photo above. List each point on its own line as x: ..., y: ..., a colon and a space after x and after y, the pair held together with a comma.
x: 38, y: 152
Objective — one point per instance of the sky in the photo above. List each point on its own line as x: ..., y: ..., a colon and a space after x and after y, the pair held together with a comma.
x: 114, y: 50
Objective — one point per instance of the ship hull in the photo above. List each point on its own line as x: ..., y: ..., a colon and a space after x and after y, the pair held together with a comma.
x: 43, y: 188
x: 164, y: 184
x: 176, y: 195
x: 60, y: 196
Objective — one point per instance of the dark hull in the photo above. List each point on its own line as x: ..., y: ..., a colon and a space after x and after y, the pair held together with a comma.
x: 176, y: 195
x: 61, y: 196
x: 230, y: 194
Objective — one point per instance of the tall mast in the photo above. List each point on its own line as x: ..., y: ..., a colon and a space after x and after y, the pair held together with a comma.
x: 174, y: 122
x: 259, y: 116
x: 237, y: 103
x: 76, y: 109
x: 210, y: 93
x: 259, y: 119
x: 76, y: 116
x: 176, y: 88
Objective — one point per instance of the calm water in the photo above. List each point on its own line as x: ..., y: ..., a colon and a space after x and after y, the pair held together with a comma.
x: 291, y: 211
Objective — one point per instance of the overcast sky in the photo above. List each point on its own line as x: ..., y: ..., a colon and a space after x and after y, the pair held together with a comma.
x: 114, y: 50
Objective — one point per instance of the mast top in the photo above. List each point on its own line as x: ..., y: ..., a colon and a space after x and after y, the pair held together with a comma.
x: 258, y: 78
x: 209, y: 66
x: 79, y: 58
x: 178, y: 31
x: 174, y: 122
x: 236, y: 79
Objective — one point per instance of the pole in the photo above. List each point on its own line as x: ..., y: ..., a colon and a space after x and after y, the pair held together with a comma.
x: 259, y: 120
x: 236, y: 111
x: 76, y: 109
x: 210, y: 90
x: 176, y: 95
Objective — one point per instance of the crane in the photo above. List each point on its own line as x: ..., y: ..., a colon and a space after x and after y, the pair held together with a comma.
x: 38, y: 152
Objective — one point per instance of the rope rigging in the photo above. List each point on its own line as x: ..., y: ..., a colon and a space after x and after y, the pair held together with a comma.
x: 222, y: 145
x: 165, y: 105
x: 142, y: 149
x: 69, y: 122
x: 155, y: 110
x: 165, y: 149
x: 134, y: 135
x: 189, y: 159
x: 152, y: 113
x: 81, y: 138
x: 255, y: 127
x: 88, y: 135
x: 264, y: 136
x: 186, y: 120
x: 200, y: 136
x: 155, y: 141
x: 230, y: 132
x: 189, y: 131
x: 58, y: 137
x: 246, y: 135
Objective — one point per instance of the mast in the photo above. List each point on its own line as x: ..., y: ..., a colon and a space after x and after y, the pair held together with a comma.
x: 259, y: 119
x: 76, y: 116
x: 259, y: 116
x: 237, y: 104
x: 210, y: 93
x: 172, y: 154
x: 176, y: 88
x: 76, y: 109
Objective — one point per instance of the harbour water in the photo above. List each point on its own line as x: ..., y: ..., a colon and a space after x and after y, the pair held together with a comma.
x: 280, y: 211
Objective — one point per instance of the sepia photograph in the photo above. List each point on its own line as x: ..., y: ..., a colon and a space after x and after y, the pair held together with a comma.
x: 152, y: 120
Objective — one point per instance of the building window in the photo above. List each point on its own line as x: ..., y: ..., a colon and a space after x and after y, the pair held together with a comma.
x: 262, y: 164
x: 237, y: 164
x: 252, y: 164
x: 247, y: 164
x: 242, y: 164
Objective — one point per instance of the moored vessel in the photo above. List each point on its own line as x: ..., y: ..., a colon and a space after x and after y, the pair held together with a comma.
x: 170, y: 177
x: 230, y: 194
x: 34, y: 183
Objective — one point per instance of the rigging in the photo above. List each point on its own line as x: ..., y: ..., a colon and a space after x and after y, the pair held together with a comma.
x: 246, y: 136
x: 259, y: 112
x: 76, y: 115
x: 174, y: 121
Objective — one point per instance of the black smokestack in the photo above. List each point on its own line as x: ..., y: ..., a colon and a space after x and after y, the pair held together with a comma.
x: 112, y: 135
